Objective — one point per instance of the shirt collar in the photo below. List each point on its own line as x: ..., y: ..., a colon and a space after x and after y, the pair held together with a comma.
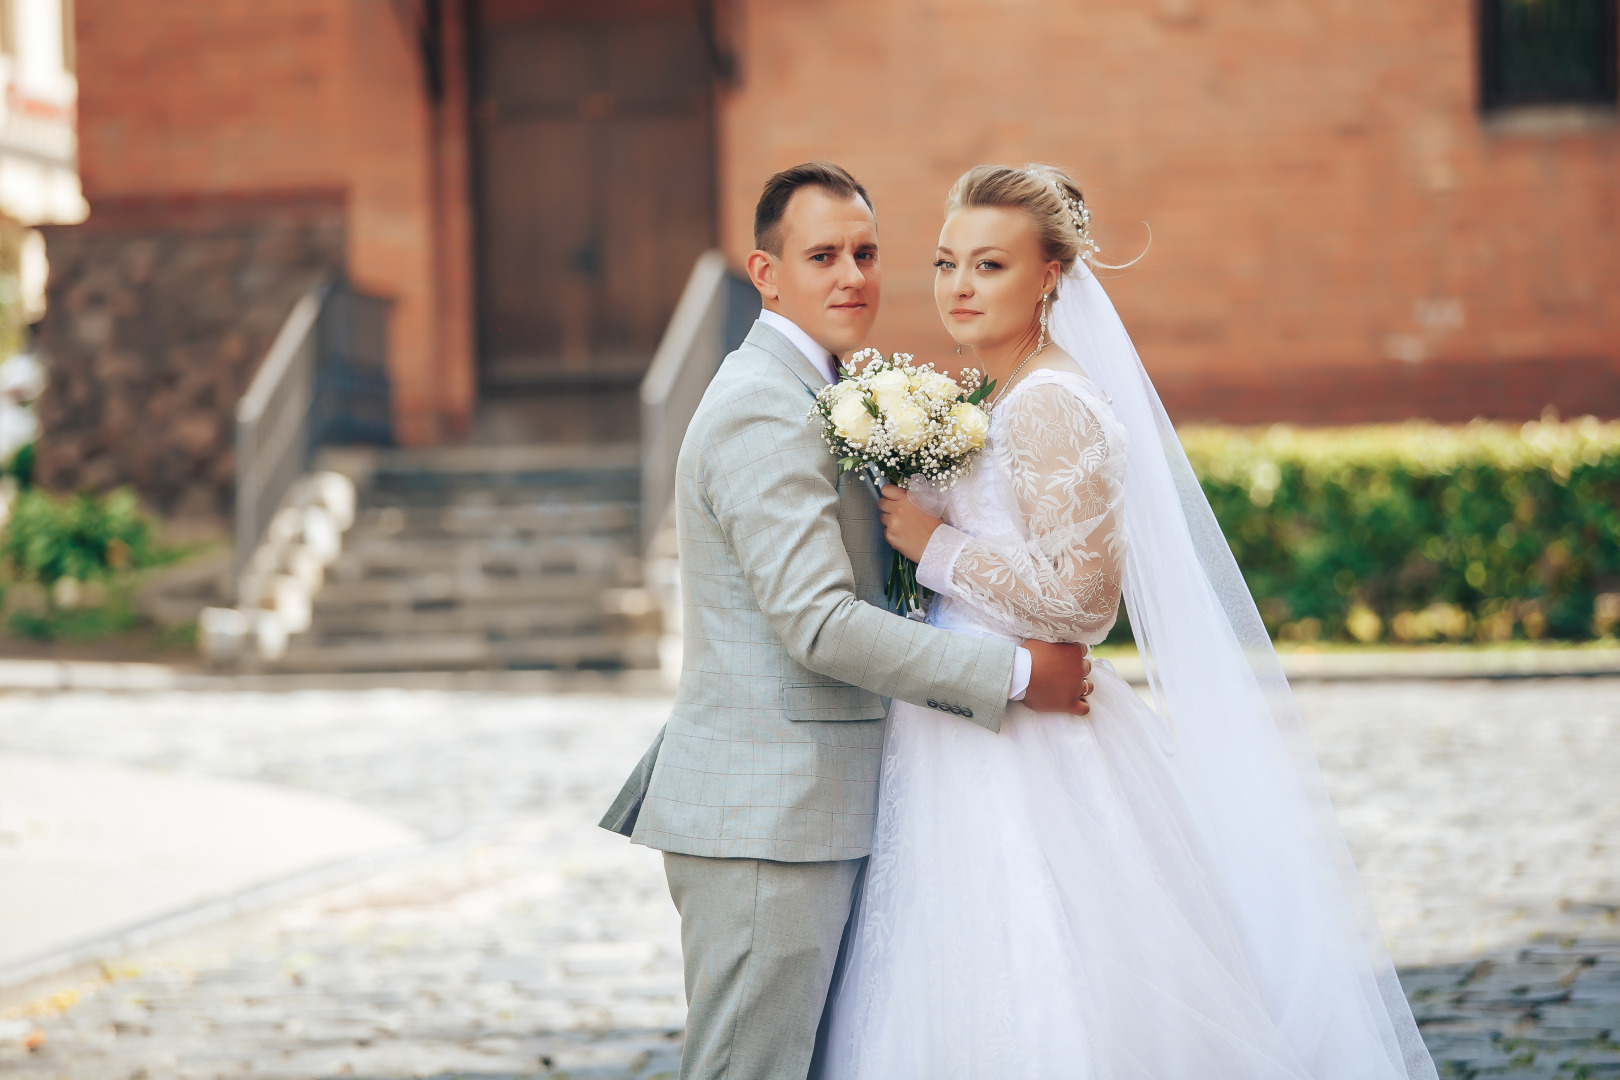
x: 820, y: 358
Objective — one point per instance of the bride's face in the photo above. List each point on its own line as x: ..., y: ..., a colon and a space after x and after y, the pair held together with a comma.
x: 990, y: 275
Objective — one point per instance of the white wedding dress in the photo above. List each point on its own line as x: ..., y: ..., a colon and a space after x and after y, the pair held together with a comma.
x: 1043, y: 902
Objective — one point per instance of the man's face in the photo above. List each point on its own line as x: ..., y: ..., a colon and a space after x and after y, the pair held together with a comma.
x: 826, y: 279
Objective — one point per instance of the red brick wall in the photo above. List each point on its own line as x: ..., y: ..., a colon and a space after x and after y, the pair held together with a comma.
x: 1327, y: 207
x: 1323, y: 194
x: 204, y: 97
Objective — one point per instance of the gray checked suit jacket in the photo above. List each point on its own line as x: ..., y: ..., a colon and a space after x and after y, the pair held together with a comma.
x: 772, y: 750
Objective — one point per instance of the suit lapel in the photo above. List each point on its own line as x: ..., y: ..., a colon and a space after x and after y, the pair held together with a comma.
x: 764, y: 338
x: 857, y: 500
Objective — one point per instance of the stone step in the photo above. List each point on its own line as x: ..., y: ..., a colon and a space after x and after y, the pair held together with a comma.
x: 560, y: 491
x: 527, y: 460
x: 485, y: 558
x: 443, y: 590
x: 587, y: 615
x: 605, y: 559
x: 471, y: 519
x: 558, y: 484
x: 471, y: 651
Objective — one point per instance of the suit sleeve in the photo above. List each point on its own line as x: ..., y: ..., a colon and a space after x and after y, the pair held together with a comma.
x: 771, y: 484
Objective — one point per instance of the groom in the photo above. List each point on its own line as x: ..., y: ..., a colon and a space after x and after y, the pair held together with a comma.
x: 762, y: 788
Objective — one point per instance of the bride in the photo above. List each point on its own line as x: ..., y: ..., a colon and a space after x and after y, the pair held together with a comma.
x: 1150, y: 892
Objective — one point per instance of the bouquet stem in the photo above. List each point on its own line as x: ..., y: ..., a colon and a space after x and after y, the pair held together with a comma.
x: 904, y: 594
x: 902, y: 588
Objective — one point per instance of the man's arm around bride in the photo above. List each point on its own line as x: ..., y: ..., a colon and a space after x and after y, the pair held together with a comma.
x: 761, y: 790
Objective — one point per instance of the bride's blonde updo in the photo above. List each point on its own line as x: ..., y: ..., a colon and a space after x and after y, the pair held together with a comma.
x: 1045, y: 192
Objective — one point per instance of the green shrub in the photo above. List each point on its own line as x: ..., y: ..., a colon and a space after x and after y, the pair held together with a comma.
x: 81, y: 625
x: 84, y: 537
x: 69, y: 566
x: 1419, y: 532
x: 21, y: 467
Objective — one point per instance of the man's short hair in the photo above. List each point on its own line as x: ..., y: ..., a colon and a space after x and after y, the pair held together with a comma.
x: 779, y: 189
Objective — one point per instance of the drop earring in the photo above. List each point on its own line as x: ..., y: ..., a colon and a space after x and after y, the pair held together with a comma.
x: 958, y: 348
x: 1041, y: 344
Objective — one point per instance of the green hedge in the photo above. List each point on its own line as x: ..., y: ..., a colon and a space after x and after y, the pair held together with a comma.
x: 1420, y: 532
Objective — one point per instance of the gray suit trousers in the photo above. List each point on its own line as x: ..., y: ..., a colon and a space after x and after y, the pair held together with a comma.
x: 761, y: 942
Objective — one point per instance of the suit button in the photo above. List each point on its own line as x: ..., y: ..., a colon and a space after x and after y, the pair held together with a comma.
x: 932, y: 704
x: 957, y: 709
x: 968, y: 713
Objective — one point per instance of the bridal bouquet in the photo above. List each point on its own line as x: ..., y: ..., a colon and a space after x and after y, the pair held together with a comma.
x: 903, y: 423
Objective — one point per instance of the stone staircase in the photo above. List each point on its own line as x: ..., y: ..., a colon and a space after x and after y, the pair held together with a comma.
x: 478, y: 558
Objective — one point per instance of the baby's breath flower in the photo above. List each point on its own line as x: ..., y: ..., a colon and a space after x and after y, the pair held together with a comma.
x: 899, y: 419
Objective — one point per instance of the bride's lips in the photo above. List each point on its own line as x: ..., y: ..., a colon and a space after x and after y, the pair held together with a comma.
x: 960, y: 312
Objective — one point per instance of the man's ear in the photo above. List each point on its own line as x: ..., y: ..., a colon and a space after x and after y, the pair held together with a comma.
x: 762, y: 272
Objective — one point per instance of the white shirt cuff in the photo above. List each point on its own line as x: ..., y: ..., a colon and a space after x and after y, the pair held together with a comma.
x: 1022, y: 662
x: 934, y: 568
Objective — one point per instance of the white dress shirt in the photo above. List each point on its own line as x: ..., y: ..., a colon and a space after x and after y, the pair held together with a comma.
x: 826, y: 362
x: 823, y: 359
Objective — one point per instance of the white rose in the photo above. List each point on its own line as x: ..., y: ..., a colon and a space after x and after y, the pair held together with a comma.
x: 843, y: 389
x: 974, y: 422
x: 851, y: 420
x: 937, y: 385
x: 908, y: 422
x: 888, y: 389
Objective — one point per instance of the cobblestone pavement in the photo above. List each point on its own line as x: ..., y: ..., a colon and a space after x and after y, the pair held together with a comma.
x: 528, y: 944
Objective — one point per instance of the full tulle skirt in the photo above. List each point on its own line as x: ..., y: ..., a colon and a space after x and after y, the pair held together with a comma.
x: 1039, y: 904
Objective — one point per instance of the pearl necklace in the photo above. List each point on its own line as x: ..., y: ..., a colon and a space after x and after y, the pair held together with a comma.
x: 1004, y: 386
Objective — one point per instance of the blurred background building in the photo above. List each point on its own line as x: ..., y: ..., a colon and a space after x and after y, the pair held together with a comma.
x: 1359, y: 211
x: 39, y: 179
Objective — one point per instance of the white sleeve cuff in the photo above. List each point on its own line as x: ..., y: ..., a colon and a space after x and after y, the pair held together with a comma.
x: 1022, y: 662
x: 934, y: 569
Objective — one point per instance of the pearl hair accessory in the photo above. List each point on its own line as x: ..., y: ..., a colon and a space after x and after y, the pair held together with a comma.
x: 1079, y: 215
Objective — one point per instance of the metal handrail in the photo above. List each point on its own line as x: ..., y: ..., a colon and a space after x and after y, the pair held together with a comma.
x: 272, y: 423
x: 713, y: 315
x: 323, y: 380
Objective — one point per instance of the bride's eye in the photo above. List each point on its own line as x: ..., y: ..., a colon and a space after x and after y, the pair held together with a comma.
x: 989, y: 264
x: 944, y: 264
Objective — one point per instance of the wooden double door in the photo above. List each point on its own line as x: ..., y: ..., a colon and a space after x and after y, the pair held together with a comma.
x: 595, y: 176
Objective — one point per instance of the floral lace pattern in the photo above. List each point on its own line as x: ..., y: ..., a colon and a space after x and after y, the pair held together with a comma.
x: 1037, y: 544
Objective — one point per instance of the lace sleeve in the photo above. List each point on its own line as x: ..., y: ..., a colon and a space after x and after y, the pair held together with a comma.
x: 1063, y: 582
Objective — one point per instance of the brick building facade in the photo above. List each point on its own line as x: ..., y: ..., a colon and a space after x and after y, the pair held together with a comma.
x: 1340, y: 231
x: 193, y: 101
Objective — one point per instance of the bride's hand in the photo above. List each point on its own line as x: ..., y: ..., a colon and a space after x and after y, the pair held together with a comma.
x: 906, y: 527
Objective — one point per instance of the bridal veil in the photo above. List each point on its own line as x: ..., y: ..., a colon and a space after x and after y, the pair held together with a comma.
x: 1232, y: 733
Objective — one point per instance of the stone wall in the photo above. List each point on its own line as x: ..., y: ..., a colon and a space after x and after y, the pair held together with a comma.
x: 159, y: 312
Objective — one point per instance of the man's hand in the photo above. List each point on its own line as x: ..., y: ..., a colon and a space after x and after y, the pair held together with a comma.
x: 1057, y: 678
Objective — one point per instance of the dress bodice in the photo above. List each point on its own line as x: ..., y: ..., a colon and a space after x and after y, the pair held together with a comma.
x: 1036, y: 545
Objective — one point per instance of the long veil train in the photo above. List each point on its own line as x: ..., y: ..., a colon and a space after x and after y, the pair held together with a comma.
x: 1233, y: 732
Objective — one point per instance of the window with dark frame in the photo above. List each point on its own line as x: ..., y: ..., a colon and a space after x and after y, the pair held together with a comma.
x: 1547, y: 52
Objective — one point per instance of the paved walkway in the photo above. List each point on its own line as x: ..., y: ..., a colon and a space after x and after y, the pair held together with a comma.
x: 528, y: 943
x: 88, y: 848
